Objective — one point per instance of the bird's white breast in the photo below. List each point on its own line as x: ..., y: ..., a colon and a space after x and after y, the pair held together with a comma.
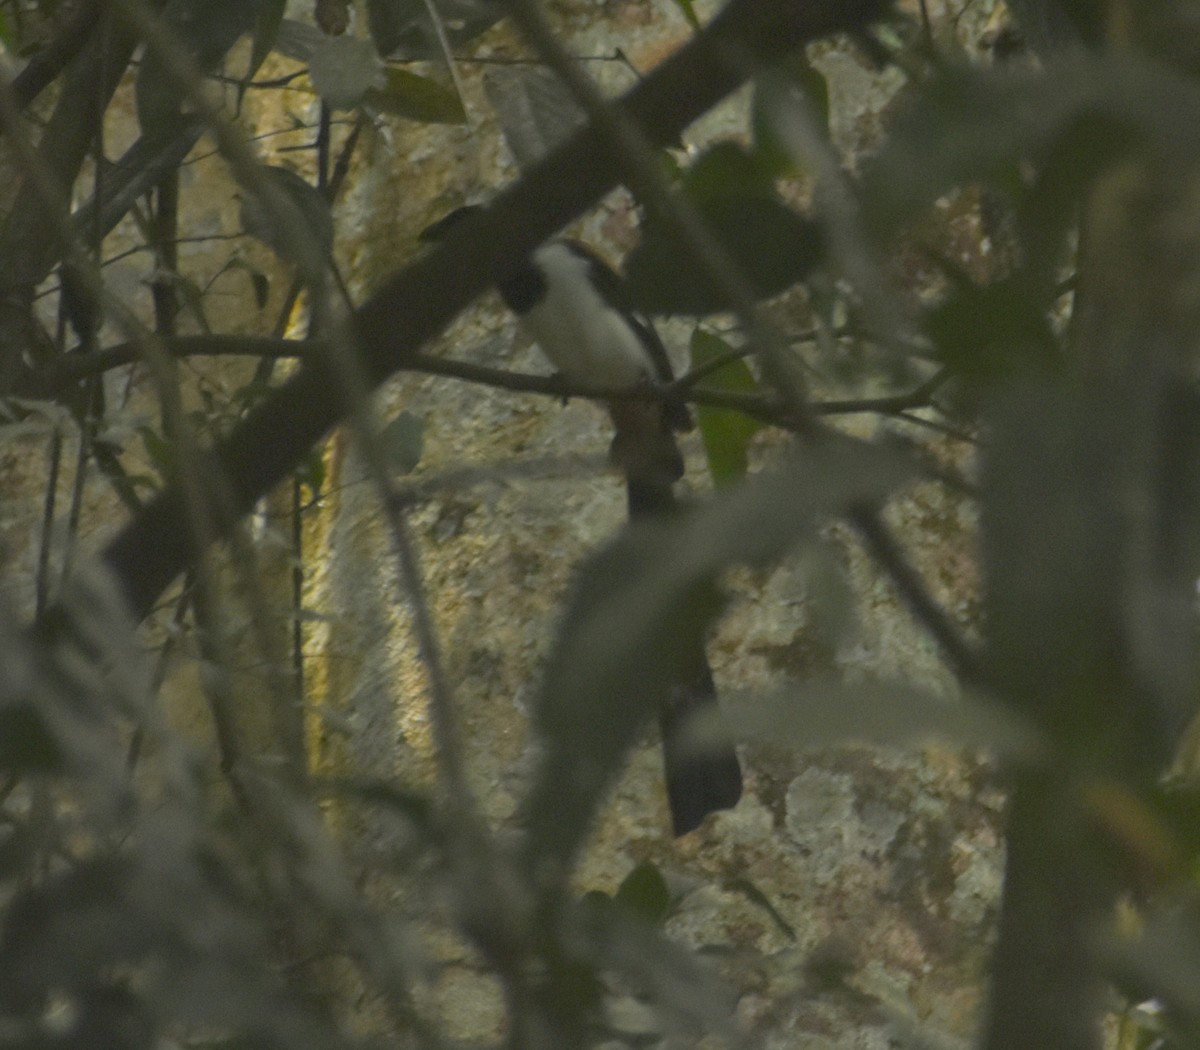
x: 585, y: 338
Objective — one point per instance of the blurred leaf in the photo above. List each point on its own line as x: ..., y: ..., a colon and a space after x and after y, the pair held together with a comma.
x: 1090, y: 18
x: 297, y: 39
x: 829, y: 596
x: 207, y: 29
x: 670, y: 978
x: 144, y: 481
x: 414, y: 807
x: 1138, y: 839
x: 832, y: 712
x: 311, y: 471
x: 1076, y: 621
x: 343, y: 69
x: 414, y: 97
x: 43, y: 417
x: 26, y: 743
x: 6, y: 33
x: 689, y: 12
x: 1162, y: 962
x: 969, y: 125
x: 1048, y: 26
x: 385, y: 22
x: 403, y: 442
x: 160, y: 451
x: 995, y: 332
x: 794, y: 80
x: 643, y: 604
x: 726, y: 169
x: 250, y: 394
x: 266, y: 32
x: 726, y: 433
x: 535, y: 110
x: 772, y: 246
x: 644, y: 891
x: 260, y: 221
x: 403, y: 29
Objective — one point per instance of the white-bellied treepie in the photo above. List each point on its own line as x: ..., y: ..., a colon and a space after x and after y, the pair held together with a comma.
x: 575, y: 307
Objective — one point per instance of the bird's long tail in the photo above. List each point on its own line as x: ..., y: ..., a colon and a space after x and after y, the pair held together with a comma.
x: 700, y: 779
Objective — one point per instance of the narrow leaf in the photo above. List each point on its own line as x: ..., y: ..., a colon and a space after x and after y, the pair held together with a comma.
x: 414, y: 97
x: 726, y: 433
x: 831, y: 712
x: 266, y: 32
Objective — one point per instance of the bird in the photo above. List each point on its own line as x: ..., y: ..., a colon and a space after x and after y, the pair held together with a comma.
x: 578, y: 310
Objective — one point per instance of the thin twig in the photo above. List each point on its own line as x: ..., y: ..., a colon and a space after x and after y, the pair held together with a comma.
x: 888, y: 554
x: 43, y: 571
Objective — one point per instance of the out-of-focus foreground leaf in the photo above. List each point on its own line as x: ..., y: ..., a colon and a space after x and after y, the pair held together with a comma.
x: 642, y: 604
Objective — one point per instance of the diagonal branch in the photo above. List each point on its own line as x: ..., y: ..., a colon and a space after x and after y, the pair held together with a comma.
x: 414, y: 305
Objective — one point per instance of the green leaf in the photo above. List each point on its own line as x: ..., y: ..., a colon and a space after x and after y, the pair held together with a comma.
x: 772, y: 246
x: 644, y: 891
x: 727, y: 169
x: 643, y: 604
x: 688, y: 10
x: 415, y: 97
x: 403, y: 442
x: 992, y: 333
x: 726, y: 433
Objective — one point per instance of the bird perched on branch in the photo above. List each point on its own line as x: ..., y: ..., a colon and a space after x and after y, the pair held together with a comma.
x: 576, y: 308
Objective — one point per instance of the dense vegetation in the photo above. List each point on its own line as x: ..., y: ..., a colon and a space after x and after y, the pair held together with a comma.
x: 146, y: 899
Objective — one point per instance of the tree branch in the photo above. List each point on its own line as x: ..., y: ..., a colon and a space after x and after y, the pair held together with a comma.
x: 414, y: 305
x: 72, y: 368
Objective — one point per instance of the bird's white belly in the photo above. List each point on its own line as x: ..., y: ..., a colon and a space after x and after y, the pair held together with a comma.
x: 587, y: 340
